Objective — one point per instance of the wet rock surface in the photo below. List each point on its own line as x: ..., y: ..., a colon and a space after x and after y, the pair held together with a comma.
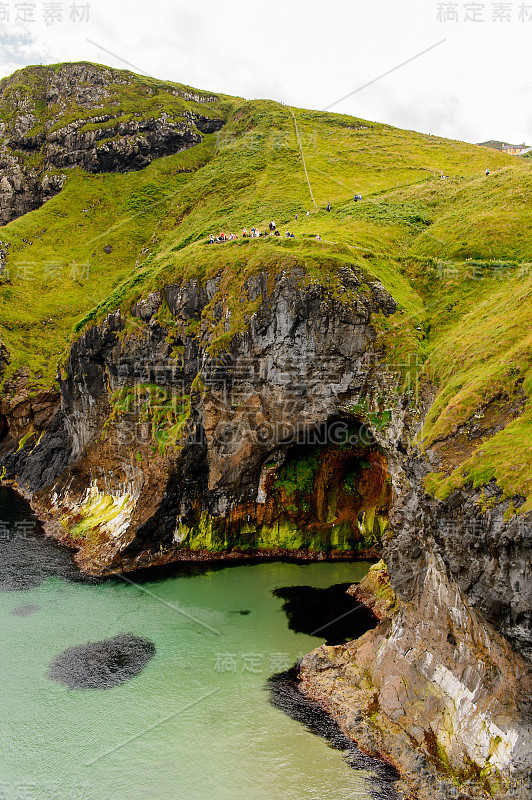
x: 102, y: 665
x: 285, y: 695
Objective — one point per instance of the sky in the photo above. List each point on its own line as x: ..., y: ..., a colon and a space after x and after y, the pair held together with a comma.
x: 456, y: 69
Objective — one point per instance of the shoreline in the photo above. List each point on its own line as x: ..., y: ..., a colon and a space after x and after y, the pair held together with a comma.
x: 286, y: 695
x: 166, y: 558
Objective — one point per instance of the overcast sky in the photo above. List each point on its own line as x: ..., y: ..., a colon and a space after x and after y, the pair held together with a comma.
x: 473, y: 84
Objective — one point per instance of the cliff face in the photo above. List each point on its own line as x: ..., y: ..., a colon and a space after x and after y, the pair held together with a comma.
x: 436, y: 687
x: 437, y: 690
x: 171, y: 442
x: 194, y: 448
x: 78, y: 115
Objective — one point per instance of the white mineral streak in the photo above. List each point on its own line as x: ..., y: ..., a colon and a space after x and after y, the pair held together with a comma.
x: 478, y: 733
x: 479, y: 736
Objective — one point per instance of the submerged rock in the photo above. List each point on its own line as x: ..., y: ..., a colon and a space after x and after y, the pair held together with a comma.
x: 284, y: 694
x: 25, y: 610
x: 102, y: 665
x: 27, y: 556
x: 329, y: 614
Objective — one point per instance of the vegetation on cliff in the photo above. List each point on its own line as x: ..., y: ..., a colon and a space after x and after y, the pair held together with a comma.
x: 455, y: 252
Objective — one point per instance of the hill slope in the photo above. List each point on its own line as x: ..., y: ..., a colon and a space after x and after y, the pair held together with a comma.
x: 108, y: 239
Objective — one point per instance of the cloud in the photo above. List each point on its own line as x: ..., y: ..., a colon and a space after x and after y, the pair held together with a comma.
x: 20, y: 48
x: 466, y: 89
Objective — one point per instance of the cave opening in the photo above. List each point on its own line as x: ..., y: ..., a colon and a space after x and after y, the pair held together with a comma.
x: 334, y: 484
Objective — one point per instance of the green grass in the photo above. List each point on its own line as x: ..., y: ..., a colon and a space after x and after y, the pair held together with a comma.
x: 455, y: 254
x: 506, y: 457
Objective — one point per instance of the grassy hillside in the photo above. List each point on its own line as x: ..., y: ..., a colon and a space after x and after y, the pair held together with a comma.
x: 454, y: 252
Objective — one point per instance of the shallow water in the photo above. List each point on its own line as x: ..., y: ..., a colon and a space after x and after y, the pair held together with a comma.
x: 196, y: 723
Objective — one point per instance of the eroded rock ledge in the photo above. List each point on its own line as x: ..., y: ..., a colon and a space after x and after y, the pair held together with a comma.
x: 433, y: 688
x: 88, y: 123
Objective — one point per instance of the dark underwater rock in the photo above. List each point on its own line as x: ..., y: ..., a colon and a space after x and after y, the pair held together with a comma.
x: 25, y: 610
x: 102, y: 665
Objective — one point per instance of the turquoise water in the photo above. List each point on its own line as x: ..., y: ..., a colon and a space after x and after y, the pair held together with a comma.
x: 196, y: 723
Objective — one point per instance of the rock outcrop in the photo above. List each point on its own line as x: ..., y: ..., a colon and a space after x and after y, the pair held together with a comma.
x: 194, y: 446
x: 435, y: 689
x: 54, y: 120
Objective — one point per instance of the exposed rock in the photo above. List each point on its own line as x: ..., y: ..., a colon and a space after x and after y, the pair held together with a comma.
x: 375, y: 592
x: 453, y: 713
x: 24, y: 414
x: 37, y: 149
x: 486, y: 552
x: 275, y: 389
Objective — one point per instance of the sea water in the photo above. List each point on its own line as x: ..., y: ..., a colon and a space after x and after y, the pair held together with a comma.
x: 196, y: 723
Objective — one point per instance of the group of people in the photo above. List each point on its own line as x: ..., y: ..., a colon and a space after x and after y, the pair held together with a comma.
x: 255, y: 232
x: 272, y: 230
x: 222, y: 237
x: 252, y: 234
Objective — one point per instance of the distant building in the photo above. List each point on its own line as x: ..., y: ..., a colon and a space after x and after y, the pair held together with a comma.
x: 514, y: 149
x: 510, y: 149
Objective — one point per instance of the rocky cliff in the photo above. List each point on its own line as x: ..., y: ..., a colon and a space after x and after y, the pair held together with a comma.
x: 293, y: 435
x: 165, y: 444
x: 54, y: 119
x: 318, y: 396
x: 442, y: 687
x: 435, y: 687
